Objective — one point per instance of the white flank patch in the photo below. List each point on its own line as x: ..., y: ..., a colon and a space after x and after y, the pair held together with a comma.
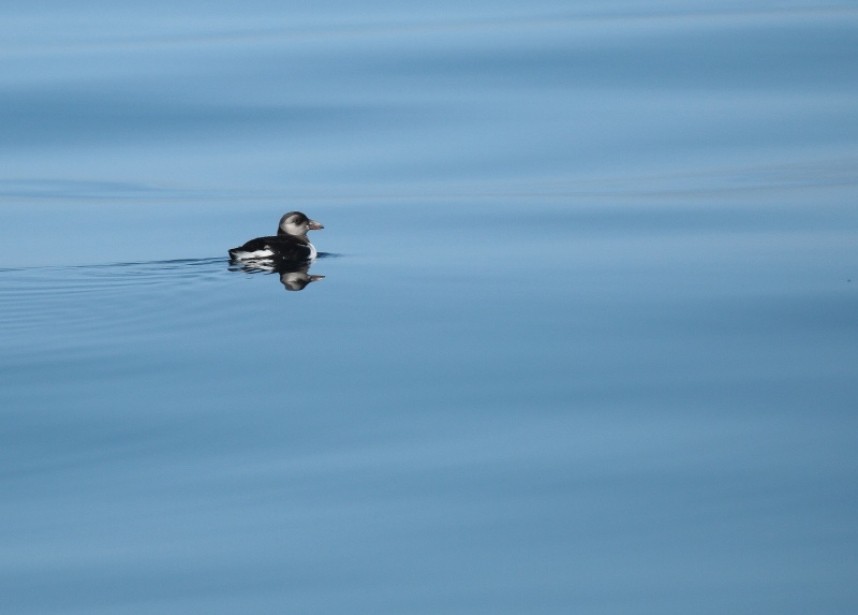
x: 256, y: 254
x: 312, y: 252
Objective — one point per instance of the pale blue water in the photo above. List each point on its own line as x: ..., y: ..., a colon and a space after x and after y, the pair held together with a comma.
x: 587, y: 340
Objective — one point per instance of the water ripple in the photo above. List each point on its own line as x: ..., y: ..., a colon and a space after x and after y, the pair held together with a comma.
x: 76, y: 306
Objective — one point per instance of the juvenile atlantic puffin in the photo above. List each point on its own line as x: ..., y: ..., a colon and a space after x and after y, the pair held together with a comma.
x: 290, y: 245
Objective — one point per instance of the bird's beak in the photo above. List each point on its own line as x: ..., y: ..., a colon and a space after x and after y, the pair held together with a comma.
x: 315, y: 226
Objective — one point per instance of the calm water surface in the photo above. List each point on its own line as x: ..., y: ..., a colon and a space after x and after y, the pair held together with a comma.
x: 586, y: 340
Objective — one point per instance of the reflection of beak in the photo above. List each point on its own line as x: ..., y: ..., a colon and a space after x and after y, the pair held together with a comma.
x: 315, y: 226
x: 298, y: 280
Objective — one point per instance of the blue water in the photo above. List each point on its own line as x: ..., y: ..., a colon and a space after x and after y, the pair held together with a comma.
x: 586, y: 341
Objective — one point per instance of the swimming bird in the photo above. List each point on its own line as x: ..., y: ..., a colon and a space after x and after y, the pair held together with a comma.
x: 289, y: 245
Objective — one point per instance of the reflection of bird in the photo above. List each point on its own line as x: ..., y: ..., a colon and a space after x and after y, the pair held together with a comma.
x: 290, y: 245
x: 293, y: 276
x: 297, y: 279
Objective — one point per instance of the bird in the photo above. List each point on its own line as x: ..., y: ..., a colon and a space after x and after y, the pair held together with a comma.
x: 290, y: 245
